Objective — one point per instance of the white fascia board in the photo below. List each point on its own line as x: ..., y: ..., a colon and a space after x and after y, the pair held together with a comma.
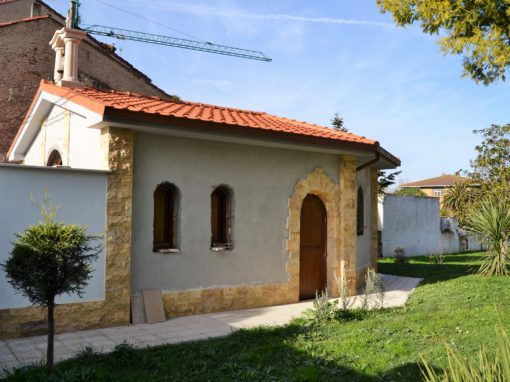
x: 42, y: 107
x: 361, y: 156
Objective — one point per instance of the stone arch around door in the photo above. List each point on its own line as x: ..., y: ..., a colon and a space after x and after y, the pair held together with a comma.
x: 319, y: 184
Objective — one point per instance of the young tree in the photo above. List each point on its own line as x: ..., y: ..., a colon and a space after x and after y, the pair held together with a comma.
x: 49, y: 259
x: 385, y: 180
x: 338, y: 123
x: 479, y: 30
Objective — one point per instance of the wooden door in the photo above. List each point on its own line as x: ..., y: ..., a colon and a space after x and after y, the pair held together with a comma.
x: 312, y: 258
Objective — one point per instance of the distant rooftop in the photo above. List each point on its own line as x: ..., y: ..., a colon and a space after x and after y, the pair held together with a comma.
x: 445, y: 180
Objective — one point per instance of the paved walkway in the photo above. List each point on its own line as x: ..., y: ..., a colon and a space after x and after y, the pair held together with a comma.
x: 22, y: 351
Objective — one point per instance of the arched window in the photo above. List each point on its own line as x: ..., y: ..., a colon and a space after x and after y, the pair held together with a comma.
x: 166, y: 199
x: 54, y: 159
x: 221, y: 218
x: 360, y: 213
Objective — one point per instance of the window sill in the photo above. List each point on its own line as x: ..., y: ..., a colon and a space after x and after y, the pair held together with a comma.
x: 167, y: 250
x: 221, y: 248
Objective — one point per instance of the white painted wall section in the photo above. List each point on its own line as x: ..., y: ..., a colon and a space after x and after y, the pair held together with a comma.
x: 84, y: 145
x: 82, y: 195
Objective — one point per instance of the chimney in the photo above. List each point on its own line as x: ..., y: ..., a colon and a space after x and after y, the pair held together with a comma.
x: 65, y: 43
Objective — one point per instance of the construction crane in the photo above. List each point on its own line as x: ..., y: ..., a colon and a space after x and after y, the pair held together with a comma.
x: 126, y: 34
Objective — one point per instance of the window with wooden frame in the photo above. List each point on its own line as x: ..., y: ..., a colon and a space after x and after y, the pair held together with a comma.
x: 55, y: 159
x: 221, y: 218
x: 360, y: 213
x: 166, y: 208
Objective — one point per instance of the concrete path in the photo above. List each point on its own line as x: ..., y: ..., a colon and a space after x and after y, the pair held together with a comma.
x: 22, y: 351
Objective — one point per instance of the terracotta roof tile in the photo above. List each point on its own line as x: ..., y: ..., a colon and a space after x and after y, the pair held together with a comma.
x: 444, y: 180
x: 101, y: 100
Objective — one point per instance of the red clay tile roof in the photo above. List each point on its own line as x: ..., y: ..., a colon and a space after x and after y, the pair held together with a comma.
x: 445, y: 180
x: 101, y: 101
x: 7, y: 23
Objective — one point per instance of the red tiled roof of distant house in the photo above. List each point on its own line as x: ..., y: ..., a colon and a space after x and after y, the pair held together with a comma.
x: 439, y: 181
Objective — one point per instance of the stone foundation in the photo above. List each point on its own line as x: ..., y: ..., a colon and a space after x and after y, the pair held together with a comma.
x: 184, y: 303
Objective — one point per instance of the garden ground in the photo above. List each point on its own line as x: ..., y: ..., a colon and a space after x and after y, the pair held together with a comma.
x: 451, y: 306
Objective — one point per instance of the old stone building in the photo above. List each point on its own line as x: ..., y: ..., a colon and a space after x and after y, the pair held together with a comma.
x: 26, y: 27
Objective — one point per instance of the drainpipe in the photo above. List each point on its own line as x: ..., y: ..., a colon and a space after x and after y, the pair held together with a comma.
x: 370, y: 162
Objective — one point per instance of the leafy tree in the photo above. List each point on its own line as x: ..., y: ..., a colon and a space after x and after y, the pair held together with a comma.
x: 459, y: 198
x: 491, y: 167
x: 385, y: 180
x: 49, y: 259
x: 477, y: 29
x: 490, y: 221
x: 338, y: 123
x: 409, y: 191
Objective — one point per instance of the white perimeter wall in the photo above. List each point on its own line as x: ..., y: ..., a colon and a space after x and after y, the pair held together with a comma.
x: 82, y: 195
x: 414, y: 224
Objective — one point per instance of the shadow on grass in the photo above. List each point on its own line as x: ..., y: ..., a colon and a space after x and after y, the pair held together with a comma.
x: 431, y: 272
x: 290, y: 353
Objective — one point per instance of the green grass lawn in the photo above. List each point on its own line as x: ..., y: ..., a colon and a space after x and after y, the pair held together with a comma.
x: 452, y: 306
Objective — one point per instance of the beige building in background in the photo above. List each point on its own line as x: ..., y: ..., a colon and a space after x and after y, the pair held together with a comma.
x: 436, y: 187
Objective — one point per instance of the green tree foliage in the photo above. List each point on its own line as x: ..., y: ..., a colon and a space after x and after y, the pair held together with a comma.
x: 459, y: 198
x: 490, y: 221
x: 49, y: 259
x: 409, y: 191
x: 384, y: 180
x: 479, y: 30
x: 338, y: 123
x: 489, y: 173
x: 491, y: 167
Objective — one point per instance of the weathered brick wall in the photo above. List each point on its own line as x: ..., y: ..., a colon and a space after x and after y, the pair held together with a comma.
x: 26, y: 58
x: 20, y: 9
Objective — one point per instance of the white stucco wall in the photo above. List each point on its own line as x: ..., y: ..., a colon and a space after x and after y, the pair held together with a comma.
x: 262, y: 181
x: 84, y: 144
x: 80, y: 147
x: 82, y: 195
x: 363, y: 241
x: 414, y: 224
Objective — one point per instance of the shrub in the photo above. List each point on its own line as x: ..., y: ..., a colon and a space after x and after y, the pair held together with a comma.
x: 488, y: 366
x: 400, y: 255
x: 374, y: 289
x: 47, y: 260
x: 490, y: 221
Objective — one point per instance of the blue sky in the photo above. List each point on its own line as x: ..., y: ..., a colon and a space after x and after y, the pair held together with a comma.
x: 388, y: 83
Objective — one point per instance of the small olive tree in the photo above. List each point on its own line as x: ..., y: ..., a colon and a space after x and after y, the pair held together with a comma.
x: 49, y: 259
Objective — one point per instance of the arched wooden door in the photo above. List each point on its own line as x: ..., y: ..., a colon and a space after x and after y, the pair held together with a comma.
x: 312, y: 258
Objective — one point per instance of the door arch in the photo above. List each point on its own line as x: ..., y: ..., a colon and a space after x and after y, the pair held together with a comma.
x: 312, y: 248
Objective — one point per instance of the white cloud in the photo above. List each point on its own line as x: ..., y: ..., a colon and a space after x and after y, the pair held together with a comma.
x: 232, y: 13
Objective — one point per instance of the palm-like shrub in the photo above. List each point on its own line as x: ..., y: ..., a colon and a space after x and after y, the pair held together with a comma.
x: 460, y: 197
x: 488, y: 366
x: 490, y: 221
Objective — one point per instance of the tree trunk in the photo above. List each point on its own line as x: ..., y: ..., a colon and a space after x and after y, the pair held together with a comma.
x: 51, y: 337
